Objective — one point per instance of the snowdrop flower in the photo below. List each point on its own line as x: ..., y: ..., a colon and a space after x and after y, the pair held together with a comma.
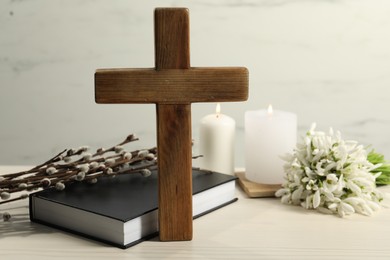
x: 331, y: 175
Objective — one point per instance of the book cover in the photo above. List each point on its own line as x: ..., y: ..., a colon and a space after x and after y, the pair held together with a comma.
x: 122, y: 211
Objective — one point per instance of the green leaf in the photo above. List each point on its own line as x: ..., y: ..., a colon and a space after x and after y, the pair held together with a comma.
x: 375, y: 158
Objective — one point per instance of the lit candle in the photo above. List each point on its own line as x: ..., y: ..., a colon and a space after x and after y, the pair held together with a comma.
x: 217, y: 142
x: 268, y: 135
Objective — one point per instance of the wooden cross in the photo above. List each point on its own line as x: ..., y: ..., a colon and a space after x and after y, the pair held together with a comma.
x: 172, y: 85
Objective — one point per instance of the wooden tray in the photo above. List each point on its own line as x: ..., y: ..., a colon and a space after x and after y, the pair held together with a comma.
x: 256, y: 190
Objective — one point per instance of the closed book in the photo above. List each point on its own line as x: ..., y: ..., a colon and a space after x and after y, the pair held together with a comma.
x: 123, y: 211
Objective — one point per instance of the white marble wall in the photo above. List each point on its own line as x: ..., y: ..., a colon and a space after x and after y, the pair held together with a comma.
x: 326, y: 60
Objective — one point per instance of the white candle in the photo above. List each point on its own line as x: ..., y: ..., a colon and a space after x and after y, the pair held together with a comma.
x: 217, y: 142
x: 268, y: 135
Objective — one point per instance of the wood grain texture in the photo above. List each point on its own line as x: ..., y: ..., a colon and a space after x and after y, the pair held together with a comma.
x: 172, y: 38
x: 173, y: 128
x: 175, y: 177
x: 256, y: 190
x: 171, y: 85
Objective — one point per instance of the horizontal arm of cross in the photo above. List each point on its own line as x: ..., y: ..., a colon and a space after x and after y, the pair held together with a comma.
x: 171, y: 86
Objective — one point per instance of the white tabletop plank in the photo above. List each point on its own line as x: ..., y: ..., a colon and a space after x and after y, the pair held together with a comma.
x: 248, y: 229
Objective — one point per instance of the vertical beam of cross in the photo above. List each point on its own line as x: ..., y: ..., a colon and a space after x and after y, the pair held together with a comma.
x: 172, y: 51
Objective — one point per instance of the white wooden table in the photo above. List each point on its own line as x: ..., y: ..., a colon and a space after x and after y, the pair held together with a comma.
x: 247, y: 229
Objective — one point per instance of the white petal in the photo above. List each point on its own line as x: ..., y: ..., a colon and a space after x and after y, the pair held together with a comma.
x: 374, y: 206
x: 329, y: 187
x: 340, y: 211
x: 367, y: 210
x: 308, y: 170
x: 367, y: 183
x: 324, y: 210
x: 281, y: 192
x: 332, y: 206
x: 329, y: 195
x: 309, y: 200
x: 330, y: 166
x: 376, y: 175
x: 354, y: 200
x: 286, y: 199
x: 332, y: 177
x: 296, y: 195
x: 316, y: 199
x: 347, y: 208
x: 354, y: 187
x: 313, y: 127
x: 331, y: 131
x: 376, y: 166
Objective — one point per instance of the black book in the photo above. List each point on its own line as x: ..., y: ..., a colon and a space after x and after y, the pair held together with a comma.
x: 122, y: 211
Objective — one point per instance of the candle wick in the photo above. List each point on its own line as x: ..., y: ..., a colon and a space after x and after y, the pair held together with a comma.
x: 218, y: 110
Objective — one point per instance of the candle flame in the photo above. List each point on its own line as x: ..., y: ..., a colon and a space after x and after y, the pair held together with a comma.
x: 270, y: 110
x: 218, y: 109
